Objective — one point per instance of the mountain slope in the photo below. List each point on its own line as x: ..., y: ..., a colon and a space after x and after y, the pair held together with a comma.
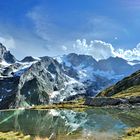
x: 129, y: 86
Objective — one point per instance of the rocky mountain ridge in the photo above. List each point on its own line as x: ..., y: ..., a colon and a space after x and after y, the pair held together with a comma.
x: 96, y: 75
x: 35, y: 81
x: 44, y: 80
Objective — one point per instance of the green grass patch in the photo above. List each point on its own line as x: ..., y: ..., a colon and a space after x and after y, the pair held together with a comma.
x: 75, y: 105
x: 132, y: 91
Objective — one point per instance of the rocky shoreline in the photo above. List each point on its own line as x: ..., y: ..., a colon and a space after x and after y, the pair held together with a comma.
x: 90, y: 102
x: 109, y: 101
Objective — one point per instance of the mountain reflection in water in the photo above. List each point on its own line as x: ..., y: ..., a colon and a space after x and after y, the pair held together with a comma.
x: 70, y: 124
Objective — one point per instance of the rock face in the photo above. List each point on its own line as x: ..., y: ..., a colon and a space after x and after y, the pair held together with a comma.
x: 41, y: 82
x: 37, y: 82
x: 8, y: 90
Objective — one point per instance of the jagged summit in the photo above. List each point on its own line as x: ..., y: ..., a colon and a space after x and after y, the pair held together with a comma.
x: 96, y: 75
x: 79, y: 59
x: 29, y: 59
x: 117, y: 65
x: 5, y: 55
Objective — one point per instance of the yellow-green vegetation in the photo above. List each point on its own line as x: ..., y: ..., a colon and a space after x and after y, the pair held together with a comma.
x: 132, y: 91
x: 86, y: 136
x: 127, y: 87
x: 79, y: 103
x: 132, y: 134
x: 13, y: 136
x: 105, y: 92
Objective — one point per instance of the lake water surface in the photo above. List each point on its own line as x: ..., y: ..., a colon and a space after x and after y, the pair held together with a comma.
x: 90, y: 124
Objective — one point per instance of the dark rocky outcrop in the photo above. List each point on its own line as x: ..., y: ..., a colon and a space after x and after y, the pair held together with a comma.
x: 8, y: 90
x: 28, y: 59
x: 102, y: 101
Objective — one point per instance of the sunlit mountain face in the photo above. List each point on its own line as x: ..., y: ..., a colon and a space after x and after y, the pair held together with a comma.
x: 69, y: 70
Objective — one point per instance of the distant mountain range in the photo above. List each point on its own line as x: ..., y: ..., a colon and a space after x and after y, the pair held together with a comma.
x: 96, y: 75
x: 43, y: 80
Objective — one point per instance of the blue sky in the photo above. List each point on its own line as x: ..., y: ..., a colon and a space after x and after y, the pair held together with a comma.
x: 51, y: 27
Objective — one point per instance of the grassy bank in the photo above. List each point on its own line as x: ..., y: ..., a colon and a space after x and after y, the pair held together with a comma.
x: 67, y: 105
x: 14, y: 136
x: 132, y: 134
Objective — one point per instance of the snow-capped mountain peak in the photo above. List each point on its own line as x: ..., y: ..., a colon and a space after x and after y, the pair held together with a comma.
x: 46, y: 80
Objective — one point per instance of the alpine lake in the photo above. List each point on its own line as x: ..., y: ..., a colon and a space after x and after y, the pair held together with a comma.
x: 69, y: 124
x: 66, y: 124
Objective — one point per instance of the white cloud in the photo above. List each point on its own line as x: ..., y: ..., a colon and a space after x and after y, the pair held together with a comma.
x: 102, y: 50
x: 9, y: 42
x: 58, y: 38
x: 97, y: 48
x: 130, y: 54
